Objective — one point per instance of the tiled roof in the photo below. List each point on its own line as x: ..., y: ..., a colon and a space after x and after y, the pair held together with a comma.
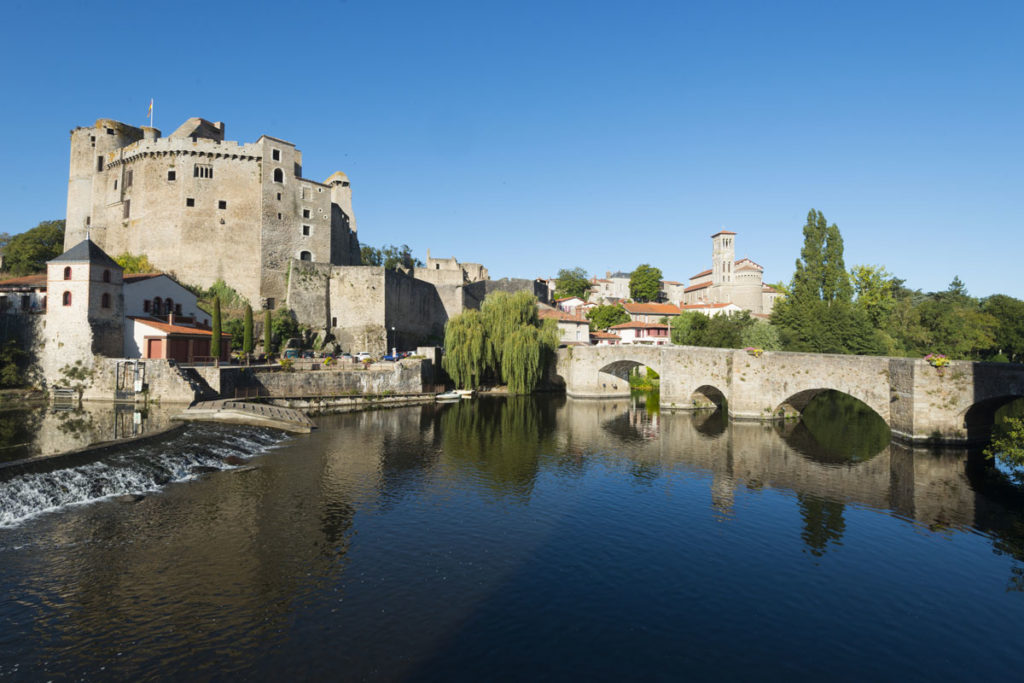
x: 691, y: 307
x: 769, y: 288
x: 37, y: 280
x: 693, y: 288
x: 670, y: 282
x: 168, y: 328
x: 139, y: 277
x: 597, y: 334
x: 753, y: 263
x: 723, y: 232
x: 566, y: 298
x: 651, y: 309
x: 637, y: 325
x: 546, y: 313
x: 701, y: 274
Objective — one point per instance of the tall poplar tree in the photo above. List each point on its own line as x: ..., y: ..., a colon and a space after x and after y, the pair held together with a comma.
x: 247, y: 331
x: 215, y: 339
x: 266, y: 332
x: 818, y: 314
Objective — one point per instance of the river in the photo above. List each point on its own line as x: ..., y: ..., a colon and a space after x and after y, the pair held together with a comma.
x: 509, y: 539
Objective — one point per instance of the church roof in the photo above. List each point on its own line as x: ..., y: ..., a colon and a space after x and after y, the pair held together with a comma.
x: 89, y: 252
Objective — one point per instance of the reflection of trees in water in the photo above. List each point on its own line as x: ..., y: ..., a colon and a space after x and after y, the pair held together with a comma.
x: 823, y: 523
x: 500, y: 439
x: 17, y: 432
x: 836, y: 428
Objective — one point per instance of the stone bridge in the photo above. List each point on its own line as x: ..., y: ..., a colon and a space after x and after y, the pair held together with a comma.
x: 920, y: 403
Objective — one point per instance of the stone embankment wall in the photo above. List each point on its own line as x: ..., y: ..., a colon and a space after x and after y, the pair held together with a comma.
x: 164, y: 382
x: 409, y: 376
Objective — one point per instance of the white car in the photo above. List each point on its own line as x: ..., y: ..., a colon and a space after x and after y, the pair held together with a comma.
x: 362, y: 355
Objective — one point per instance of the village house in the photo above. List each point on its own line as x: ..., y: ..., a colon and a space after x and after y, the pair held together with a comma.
x: 650, y: 312
x: 572, y: 328
x: 642, y: 333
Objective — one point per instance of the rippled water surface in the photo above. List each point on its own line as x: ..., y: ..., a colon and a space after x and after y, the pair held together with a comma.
x: 515, y: 539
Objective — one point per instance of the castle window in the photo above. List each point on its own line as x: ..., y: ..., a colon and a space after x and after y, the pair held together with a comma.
x: 278, y: 196
x: 115, y: 183
x: 99, y: 163
x: 319, y: 189
x: 128, y: 176
x: 222, y: 204
x: 146, y: 305
x: 158, y: 306
x: 278, y: 216
x: 88, y: 221
x: 305, y: 213
x: 270, y: 303
x: 334, y: 322
x: 305, y: 256
x: 275, y: 155
x: 127, y: 207
x: 190, y: 201
x: 106, y: 276
x: 67, y: 298
x: 302, y: 193
x: 105, y: 300
x: 278, y: 175
x: 305, y: 230
x: 67, y: 273
x: 110, y: 131
x: 202, y: 171
x: 171, y: 175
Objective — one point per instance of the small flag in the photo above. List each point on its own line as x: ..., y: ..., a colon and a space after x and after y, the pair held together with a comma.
x: 149, y: 114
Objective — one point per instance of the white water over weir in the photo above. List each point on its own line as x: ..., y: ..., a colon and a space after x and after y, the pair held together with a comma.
x: 129, y: 470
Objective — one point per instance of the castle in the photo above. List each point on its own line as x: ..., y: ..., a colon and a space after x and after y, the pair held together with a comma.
x: 206, y: 209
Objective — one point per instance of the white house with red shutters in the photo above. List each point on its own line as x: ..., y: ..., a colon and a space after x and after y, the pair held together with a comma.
x: 641, y: 333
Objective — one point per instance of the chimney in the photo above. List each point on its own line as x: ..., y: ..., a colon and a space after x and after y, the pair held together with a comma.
x: 607, y: 275
x: 170, y: 318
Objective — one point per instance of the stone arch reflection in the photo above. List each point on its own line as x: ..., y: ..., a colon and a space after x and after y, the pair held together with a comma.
x: 980, y: 419
x: 835, y: 428
x: 707, y: 396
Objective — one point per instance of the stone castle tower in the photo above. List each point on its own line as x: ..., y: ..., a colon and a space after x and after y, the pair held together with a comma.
x: 85, y: 308
x: 205, y: 208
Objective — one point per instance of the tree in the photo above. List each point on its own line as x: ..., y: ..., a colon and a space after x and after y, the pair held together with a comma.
x: 503, y: 340
x: 1009, y: 333
x: 876, y: 293
x: 266, y: 332
x: 234, y: 327
x: 603, y: 317
x: 645, y: 283
x: 761, y: 335
x: 28, y: 252
x: 572, y: 282
x: 284, y: 326
x: 215, y: 340
x: 687, y: 328
x: 390, y: 256
x: 818, y: 314
x: 135, y: 264
x: 1007, y: 446
x: 247, y: 330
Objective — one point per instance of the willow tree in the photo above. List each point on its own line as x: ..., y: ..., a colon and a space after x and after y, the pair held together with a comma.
x: 503, y: 314
x: 465, y: 345
x: 524, y: 356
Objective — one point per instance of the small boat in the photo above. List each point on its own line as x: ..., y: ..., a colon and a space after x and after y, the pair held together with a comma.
x: 448, y: 396
x: 465, y: 393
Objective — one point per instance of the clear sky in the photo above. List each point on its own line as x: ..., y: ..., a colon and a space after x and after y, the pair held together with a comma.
x: 532, y: 136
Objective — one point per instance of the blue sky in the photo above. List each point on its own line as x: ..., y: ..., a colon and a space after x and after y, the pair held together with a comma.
x: 532, y: 136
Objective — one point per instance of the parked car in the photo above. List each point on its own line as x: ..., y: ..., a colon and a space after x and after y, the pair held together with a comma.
x: 362, y: 356
x: 393, y: 356
x: 291, y: 353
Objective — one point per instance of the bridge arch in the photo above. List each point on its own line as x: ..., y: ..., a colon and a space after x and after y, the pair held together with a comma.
x: 708, y: 396
x: 794, y: 405
x: 622, y: 368
x: 979, y: 419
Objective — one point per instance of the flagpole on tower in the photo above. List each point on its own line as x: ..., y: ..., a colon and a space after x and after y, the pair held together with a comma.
x: 151, y: 112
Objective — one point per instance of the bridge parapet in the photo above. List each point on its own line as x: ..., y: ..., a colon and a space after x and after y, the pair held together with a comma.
x: 919, y: 402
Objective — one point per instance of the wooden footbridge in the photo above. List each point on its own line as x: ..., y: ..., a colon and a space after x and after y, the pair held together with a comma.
x: 248, y: 413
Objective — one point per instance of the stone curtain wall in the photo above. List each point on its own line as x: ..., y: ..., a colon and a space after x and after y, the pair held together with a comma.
x: 403, y: 377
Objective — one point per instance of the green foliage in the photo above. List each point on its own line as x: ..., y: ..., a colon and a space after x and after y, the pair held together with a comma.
x: 762, y: 335
x: 284, y: 326
x: 1009, y: 331
x: 1007, y: 446
x: 234, y: 327
x: 28, y: 252
x: 134, y: 264
x: 247, y: 344
x: 572, y: 282
x: 603, y: 317
x: 503, y: 340
x: 215, y: 339
x: 390, y: 256
x: 230, y: 299
x: 645, y: 283
x: 267, y: 332
x: 465, y: 347
x: 876, y: 293
x: 687, y: 329
x: 12, y: 364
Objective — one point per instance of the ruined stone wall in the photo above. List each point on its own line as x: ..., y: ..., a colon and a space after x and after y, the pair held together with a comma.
x: 308, y: 293
x: 415, y: 311
x: 356, y: 300
x: 403, y: 377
